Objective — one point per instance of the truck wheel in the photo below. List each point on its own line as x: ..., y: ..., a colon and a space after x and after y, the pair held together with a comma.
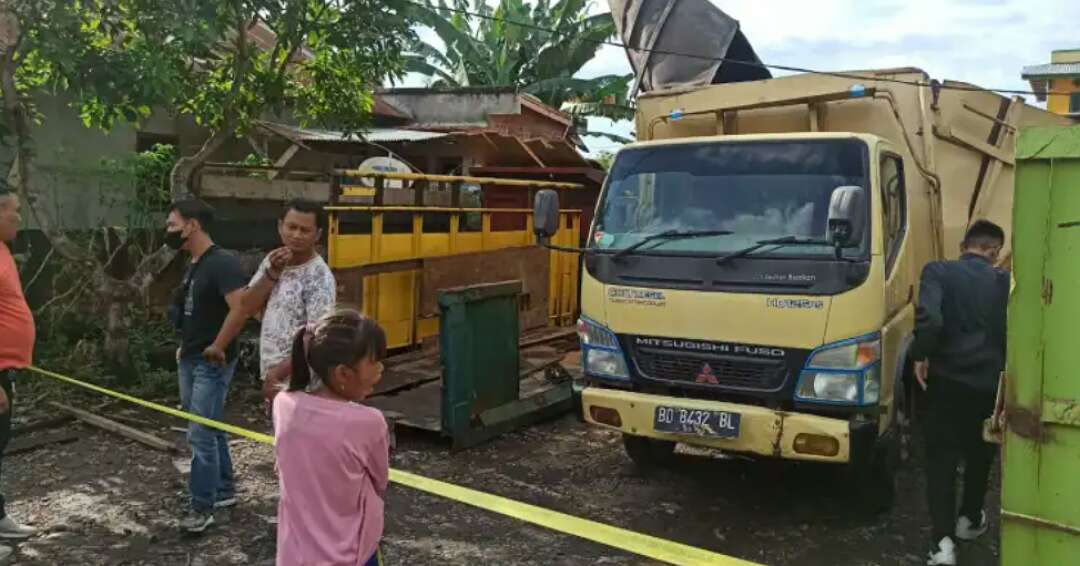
x: 648, y: 452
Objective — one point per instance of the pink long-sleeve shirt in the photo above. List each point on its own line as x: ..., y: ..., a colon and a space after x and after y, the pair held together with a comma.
x: 333, y: 465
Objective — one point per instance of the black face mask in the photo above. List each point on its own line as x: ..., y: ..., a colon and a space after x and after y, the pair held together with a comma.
x: 175, y: 240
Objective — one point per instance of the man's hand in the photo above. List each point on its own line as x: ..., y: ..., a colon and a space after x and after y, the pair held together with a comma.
x: 922, y: 372
x: 5, y: 404
x: 214, y: 355
x: 278, y: 259
x: 178, y: 350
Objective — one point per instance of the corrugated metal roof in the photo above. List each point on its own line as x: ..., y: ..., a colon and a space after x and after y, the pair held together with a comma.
x: 377, y: 135
x: 1052, y: 70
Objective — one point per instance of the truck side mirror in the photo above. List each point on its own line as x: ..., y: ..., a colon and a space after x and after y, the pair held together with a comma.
x: 546, y: 214
x: 847, y: 216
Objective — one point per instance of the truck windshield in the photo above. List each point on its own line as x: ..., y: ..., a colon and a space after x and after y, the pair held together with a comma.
x: 753, y: 190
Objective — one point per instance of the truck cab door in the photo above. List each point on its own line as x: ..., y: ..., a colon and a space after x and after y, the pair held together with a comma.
x: 899, y: 277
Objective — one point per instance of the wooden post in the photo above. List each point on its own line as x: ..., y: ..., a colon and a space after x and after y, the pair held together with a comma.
x: 335, y: 187
x: 380, y: 191
x: 418, y: 192
x: 455, y: 194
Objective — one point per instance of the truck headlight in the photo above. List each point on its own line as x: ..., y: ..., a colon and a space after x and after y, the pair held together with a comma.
x: 601, y: 355
x: 846, y: 372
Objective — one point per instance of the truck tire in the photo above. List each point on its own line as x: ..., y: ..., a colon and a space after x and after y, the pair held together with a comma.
x: 648, y: 453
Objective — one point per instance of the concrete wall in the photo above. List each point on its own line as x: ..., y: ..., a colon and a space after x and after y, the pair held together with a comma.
x: 69, y: 165
x: 68, y: 170
x: 1059, y: 103
x: 458, y: 108
x: 1065, y: 56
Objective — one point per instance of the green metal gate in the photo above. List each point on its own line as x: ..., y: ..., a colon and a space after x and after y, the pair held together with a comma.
x: 1041, y: 464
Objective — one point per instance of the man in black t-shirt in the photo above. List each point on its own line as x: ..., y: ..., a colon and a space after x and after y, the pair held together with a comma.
x: 212, y: 286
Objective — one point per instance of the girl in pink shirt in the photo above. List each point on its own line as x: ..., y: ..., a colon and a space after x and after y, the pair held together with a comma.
x: 332, y: 453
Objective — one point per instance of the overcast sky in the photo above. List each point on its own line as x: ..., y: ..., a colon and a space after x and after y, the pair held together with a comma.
x: 985, y: 42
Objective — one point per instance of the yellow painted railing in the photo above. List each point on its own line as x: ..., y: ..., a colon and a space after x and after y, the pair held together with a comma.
x: 392, y: 298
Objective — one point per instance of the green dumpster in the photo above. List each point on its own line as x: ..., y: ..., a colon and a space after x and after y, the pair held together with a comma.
x: 1041, y: 453
x: 481, y: 381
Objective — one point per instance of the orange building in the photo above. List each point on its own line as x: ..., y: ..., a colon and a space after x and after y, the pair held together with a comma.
x: 1058, y: 82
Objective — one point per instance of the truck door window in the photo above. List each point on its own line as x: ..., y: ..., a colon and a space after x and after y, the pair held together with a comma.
x: 893, y: 206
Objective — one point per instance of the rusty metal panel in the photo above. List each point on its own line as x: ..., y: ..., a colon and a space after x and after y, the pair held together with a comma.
x: 350, y: 287
x: 529, y: 265
x: 1040, y: 500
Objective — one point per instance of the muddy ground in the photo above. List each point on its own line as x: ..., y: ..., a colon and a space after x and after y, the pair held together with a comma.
x: 102, y: 499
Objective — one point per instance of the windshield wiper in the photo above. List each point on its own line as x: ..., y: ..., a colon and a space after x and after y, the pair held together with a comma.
x: 669, y: 235
x: 784, y: 241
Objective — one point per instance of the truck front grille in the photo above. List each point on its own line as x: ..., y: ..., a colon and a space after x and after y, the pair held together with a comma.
x: 722, y: 371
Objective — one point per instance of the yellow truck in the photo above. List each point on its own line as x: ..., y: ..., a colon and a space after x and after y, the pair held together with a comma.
x: 751, y: 274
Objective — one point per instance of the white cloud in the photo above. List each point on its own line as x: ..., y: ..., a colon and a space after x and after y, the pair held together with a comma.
x: 982, y: 42
x: 985, y: 42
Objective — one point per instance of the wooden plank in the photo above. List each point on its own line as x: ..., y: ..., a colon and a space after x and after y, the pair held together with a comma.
x: 530, y: 265
x: 21, y: 445
x: 42, y: 424
x: 962, y: 138
x: 407, y: 376
x: 551, y: 336
x: 251, y: 188
x: 459, y: 178
x: 420, y: 408
x: 529, y: 339
x: 128, y: 432
x: 283, y: 161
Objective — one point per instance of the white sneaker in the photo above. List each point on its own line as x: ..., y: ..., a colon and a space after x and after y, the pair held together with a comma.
x: 966, y: 530
x: 5, y: 553
x: 944, y: 554
x: 9, y: 529
x: 225, y: 503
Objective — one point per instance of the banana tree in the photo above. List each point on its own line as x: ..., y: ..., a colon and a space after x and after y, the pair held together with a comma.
x: 537, y: 48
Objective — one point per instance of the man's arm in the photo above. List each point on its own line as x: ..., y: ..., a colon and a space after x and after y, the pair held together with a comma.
x: 230, y: 281
x: 263, y: 284
x: 929, y: 320
x: 234, y: 323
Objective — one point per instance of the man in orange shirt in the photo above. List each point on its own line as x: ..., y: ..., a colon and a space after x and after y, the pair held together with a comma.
x: 16, y: 344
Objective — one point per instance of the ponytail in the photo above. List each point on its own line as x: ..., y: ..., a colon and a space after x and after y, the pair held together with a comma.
x: 339, y: 338
x: 301, y: 371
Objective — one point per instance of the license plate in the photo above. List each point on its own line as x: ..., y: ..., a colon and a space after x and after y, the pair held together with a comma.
x: 677, y: 420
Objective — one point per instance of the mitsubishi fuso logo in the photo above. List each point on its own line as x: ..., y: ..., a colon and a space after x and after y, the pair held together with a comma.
x: 707, y: 376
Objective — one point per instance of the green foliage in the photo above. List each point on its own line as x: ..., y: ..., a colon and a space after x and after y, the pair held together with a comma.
x: 72, y: 345
x: 605, y: 159
x: 71, y: 334
x: 148, y: 172
x: 492, y: 51
x: 317, y: 60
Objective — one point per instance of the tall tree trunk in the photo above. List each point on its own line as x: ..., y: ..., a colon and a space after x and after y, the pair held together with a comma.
x: 184, y: 171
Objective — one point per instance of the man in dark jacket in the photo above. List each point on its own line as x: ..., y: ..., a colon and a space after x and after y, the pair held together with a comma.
x: 960, y: 352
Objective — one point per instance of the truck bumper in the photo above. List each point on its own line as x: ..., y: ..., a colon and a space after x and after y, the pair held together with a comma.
x: 762, y: 431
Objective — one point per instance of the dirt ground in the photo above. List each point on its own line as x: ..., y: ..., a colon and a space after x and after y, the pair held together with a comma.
x: 103, y: 499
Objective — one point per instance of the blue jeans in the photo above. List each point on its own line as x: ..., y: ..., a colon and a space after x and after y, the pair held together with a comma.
x: 203, y: 388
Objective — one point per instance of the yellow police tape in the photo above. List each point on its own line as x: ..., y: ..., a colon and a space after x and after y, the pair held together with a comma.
x: 630, y: 541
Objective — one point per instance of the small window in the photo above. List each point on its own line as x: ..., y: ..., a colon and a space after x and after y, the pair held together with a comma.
x: 893, y: 207
x: 1074, y: 103
x: 145, y: 141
